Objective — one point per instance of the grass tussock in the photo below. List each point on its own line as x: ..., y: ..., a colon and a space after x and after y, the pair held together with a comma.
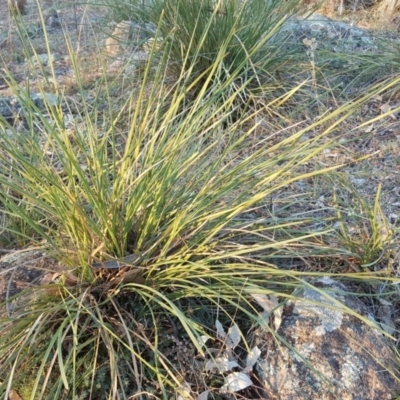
x: 169, y: 178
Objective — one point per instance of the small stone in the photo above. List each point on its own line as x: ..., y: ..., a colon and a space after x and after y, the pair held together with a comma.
x: 41, y: 59
x: 46, y: 98
x: 52, y: 19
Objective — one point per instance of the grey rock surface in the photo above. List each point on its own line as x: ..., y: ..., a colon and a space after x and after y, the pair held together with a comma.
x: 52, y: 18
x: 11, y: 108
x: 335, y: 36
x: 331, y: 354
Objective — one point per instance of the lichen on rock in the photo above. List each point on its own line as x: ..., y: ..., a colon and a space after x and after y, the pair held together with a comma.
x: 326, y: 351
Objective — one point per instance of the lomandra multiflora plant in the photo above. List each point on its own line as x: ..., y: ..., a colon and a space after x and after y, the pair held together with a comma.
x: 195, y: 32
x: 152, y: 211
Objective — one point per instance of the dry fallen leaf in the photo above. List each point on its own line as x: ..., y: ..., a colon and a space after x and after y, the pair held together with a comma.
x: 236, y: 381
x: 385, y: 108
x: 369, y: 128
x: 264, y: 302
x: 220, y: 329
x: 202, y: 340
x: 269, y: 303
x: 184, y: 392
x: 233, y: 337
x: 252, y: 358
x: 220, y: 365
x: 203, y: 395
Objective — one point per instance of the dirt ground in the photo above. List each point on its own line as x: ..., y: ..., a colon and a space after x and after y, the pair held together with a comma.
x: 26, y: 268
x: 80, y: 23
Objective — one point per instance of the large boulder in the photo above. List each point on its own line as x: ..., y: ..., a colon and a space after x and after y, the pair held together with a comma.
x: 326, y: 352
x: 328, y: 34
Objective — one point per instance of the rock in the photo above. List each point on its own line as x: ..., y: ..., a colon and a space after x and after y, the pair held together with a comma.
x: 331, y: 354
x: 9, y: 109
x: 42, y: 59
x: 128, y: 35
x: 331, y: 35
x: 12, y: 110
x: 42, y: 99
x: 51, y: 18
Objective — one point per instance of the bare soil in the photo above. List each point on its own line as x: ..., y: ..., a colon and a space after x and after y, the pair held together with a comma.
x: 22, y: 269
